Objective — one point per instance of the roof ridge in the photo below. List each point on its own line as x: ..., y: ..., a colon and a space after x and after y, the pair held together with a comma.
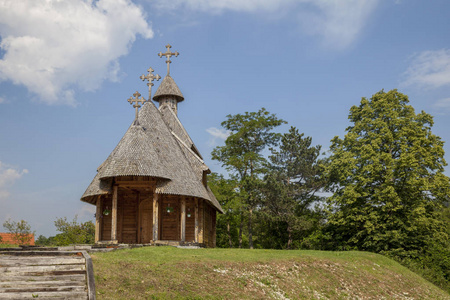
x: 189, y: 149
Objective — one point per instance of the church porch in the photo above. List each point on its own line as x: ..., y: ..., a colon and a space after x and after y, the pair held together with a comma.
x: 135, y: 214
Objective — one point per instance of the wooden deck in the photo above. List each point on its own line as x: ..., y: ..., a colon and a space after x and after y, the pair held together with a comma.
x: 46, y: 275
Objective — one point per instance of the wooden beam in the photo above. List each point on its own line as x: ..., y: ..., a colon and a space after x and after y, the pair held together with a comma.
x: 114, y: 215
x: 155, y: 215
x: 98, y: 216
x: 196, y: 221
x: 183, y: 218
x: 131, y: 184
x: 213, y: 221
x: 201, y: 221
x: 137, y: 220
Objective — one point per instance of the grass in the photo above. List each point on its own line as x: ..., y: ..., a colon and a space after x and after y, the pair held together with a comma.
x: 8, y: 245
x: 168, y: 273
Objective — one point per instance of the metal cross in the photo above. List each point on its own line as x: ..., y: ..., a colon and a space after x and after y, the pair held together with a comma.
x: 168, y: 54
x: 150, y: 77
x: 136, y: 100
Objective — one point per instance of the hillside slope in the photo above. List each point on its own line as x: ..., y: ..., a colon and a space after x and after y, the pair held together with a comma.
x: 167, y: 273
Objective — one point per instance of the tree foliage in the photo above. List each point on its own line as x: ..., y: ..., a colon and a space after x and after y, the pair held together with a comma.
x: 292, y: 182
x: 242, y: 155
x: 21, y: 231
x: 73, y: 232
x: 229, y: 198
x: 388, y: 179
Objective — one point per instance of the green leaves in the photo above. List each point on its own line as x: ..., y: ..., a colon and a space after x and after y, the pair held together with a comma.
x: 74, y: 232
x: 21, y: 231
x: 387, y: 176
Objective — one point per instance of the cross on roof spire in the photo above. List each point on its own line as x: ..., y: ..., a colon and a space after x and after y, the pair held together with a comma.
x: 137, y: 103
x: 150, y: 77
x: 168, y: 54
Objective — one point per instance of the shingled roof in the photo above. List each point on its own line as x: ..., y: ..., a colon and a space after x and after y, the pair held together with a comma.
x: 168, y: 87
x: 153, y: 149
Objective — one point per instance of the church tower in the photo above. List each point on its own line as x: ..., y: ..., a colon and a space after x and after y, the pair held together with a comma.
x: 168, y: 93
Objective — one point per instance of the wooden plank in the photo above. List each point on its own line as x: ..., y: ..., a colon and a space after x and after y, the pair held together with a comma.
x: 200, y: 221
x: 183, y: 218
x: 106, y: 220
x: 136, y: 218
x: 12, y: 261
x: 98, y: 215
x: 27, y: 284
x: 46, y: 295
x: 146, y: 221
x: 5, y: 278
x: 33, y: 269
x: 135, y: 184
x: 155, y: 216
x: 114, y: 215
x: 52, y: 288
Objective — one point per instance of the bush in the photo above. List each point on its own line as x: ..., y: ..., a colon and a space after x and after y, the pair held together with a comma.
x: 74, y: 232
x: 21, y: 231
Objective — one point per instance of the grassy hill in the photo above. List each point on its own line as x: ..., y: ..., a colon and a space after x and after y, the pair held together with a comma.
x: 167, y: 273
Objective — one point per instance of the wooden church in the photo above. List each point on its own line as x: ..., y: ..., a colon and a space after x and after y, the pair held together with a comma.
x: 152, y: 189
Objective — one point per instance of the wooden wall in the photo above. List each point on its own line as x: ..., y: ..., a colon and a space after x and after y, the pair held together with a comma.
x: 190, y: 220
x: 169, y: 223
x: 135, y: 218
x: 106, y: 220
x: 127, y: 216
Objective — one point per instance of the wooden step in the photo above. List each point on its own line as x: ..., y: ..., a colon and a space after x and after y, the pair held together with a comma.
x: 45, y: 295
x: 45, y: 275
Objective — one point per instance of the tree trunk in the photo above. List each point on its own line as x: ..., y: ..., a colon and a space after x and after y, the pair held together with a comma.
x: 250, y: 230
x: 289, y: 243
x: 229, y: 234
x: 241, y: 225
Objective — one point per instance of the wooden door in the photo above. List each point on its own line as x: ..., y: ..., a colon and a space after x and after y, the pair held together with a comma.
x: 170, y: 218
x: 145, y: 221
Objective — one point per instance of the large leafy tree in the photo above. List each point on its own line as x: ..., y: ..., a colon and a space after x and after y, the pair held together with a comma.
x: 242, y: 155
x: 292, y: 183
x: 388, y: 180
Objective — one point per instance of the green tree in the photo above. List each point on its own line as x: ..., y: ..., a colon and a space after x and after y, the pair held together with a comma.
x: 242, y: 155
x: 388, y: 181
x: 292, y: 183
x: 41, y: 240
x: 21, y: 231
x: 74, y: 232
x: 231, y: 202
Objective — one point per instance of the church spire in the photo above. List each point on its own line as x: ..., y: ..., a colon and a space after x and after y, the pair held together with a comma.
x: 150, y: 77
x: 136, y: 101
x: 168, y: 93
x: 168, y: 55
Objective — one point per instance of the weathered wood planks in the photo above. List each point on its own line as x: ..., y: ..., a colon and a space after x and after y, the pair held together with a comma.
x: 45, y: 275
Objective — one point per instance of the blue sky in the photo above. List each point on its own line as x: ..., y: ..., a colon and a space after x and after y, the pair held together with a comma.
x: 68, y: 67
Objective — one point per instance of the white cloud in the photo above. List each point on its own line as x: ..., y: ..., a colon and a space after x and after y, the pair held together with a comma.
x: 2, y: 100
x: 86, y: 211
x: 52, y: 46
x: 218, y: 6
x: 442, y: 106
x: 8, y: 175
x: 337, y: 22
x: 429, y: 69
x: 216, y: 134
